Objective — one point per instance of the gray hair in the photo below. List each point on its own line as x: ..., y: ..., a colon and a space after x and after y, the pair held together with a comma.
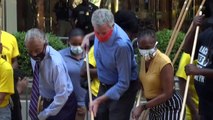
x: 35, y: 33
x: 102, y: 16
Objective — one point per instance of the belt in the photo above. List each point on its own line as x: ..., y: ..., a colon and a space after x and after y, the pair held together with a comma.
x: 105, y: 85
x: 109, y: 86
x: 46, y: 99
x: 41, y: 101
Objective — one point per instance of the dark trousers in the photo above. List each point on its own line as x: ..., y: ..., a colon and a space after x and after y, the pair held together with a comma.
x: 67, y: 112
x: 87, y: 99
x: 203, y: 117
x: 16, y: 109
x: 120, y: 109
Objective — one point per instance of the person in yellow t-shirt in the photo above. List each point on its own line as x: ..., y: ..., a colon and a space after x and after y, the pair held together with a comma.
x: 10, y: 53
x: 95, y: 83
x: 6, y: 87
x: 192, y: 98
x: 10, y: 50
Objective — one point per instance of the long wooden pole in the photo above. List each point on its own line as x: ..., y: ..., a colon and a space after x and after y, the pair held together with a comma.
x: 177, y: 23
x: 181, y: 46
x: 178, y: 52
x: 89, y: 84
x: 188, y: 77
x: 178, y: 29
x: 139, y: 98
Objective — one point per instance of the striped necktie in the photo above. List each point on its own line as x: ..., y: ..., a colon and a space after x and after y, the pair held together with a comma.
x: 34, y: 93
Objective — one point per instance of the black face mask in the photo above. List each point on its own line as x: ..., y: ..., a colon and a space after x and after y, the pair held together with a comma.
x: 39, y: 57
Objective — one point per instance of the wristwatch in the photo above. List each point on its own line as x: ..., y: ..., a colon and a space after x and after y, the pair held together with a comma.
x: 144, y: 106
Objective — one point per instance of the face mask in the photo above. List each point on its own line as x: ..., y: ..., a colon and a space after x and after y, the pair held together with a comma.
x: 76, y: 49
x: 105, y: 37
x: 148, y: 53
x: 39, y: 57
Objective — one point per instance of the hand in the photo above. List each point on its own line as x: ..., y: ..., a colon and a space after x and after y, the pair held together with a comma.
x: 85, y: 42
x: 22, y: 85
x: 198, y: 20
x: 42, y: 116
x: 81, y: 111
x: 94, y: 106
x: 191, y: 69
x: 137, y: 112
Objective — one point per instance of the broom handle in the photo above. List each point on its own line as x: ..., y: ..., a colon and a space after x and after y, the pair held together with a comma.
x: 188, y: 77
x: 181, y: 46
x: 89, y: 84
x: 178, y: 29
x: 177, y: 23
x: 139, y: 98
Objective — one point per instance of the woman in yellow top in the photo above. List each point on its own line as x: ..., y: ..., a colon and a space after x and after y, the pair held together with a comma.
x: 157, y: 79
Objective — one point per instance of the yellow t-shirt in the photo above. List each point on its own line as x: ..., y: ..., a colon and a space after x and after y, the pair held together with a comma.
x: 10, y: 46
x: 185, y: 59
x: 95, y: 82
x: 151, y: 79
x: 6, y: 81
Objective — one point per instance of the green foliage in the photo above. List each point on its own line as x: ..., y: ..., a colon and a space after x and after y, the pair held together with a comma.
x: 24, y: 59
x: 163, y: 40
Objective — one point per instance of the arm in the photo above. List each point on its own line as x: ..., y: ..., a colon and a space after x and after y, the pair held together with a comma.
x: 86, y: 41
x: 93, y: 71
x: 123, y: 62
x: 22, y: 85
x: 15, y: 54
x: 0, y: 48
x: 190, y: 103
x: 62, y: 90
x: 2, y: 96
x: 15, y: 63
x: 194, y: 70
x: 187, y: 47
x: 166, y: 75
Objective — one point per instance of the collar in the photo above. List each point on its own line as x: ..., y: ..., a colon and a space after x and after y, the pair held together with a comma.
x: 47, y: 51
x: 67, y: 52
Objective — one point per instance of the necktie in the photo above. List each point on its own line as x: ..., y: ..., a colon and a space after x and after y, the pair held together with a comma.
x: 34, y: 93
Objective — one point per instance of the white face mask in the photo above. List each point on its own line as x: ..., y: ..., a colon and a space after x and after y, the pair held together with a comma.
x: 76, y: 49
x: 148, y: 53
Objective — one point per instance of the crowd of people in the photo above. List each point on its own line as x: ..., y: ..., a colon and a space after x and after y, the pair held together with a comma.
x: 60, y: 88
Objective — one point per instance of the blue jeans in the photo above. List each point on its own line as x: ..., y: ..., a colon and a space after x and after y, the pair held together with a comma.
x: 5, y: 113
